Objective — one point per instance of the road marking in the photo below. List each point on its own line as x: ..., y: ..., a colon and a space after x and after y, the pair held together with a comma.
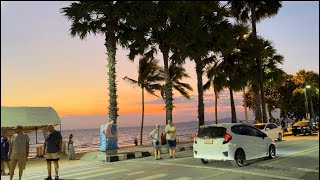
x: 289, y: 156
x: 306, y: 170
x: 101, y: 174
x: 183, y: 178
x: 210, y: 177
x: 86, y: 172
x: 68, y: 172
x: 230, y: 170
x: 134, y: 173
x: 153, y: 177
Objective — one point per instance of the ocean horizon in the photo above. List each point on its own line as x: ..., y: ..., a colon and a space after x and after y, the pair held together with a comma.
x: 89, y: 139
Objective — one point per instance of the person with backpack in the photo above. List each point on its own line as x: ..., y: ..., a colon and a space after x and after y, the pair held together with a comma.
x: 4, y: 153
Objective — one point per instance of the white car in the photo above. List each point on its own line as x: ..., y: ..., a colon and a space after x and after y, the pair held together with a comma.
x: 232, y: 141
x: 271, y: 129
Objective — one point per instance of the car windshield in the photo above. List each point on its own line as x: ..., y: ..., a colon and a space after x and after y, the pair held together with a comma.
x: 259, y: 126
x: 301, y: 123
x: 212, y: 132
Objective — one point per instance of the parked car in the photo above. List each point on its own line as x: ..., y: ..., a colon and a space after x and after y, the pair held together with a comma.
x: 271, y: 129
x: 236, y: 142
x: 303, y: 127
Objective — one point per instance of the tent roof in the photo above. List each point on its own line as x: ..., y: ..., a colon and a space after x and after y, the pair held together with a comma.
x: 28, y: 117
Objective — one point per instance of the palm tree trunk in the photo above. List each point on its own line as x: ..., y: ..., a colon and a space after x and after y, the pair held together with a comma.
x: 216, y: 106
x: 110, y: 43
x: 142, y: 119
x: 168, y: 85
x: 233, y: 109
x: 245, y: 104
x: 258, y: 61
x: 256, y: 102
x: 199, y: 70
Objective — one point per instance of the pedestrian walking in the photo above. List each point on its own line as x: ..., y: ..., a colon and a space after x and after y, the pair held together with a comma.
x: 52, y: 148
x: 171, y: 138
x: 19, y: 151
x: 71, y: 153
x: 4, y: 153
x: 155, y: 136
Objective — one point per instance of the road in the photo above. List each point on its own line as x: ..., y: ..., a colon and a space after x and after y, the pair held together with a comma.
x: 297, y: 158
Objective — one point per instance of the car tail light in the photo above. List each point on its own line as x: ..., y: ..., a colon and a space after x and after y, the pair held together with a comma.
x: 227, y: 138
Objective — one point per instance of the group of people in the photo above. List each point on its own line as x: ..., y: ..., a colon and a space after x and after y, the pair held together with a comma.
x: 169, y: 138
x: 16, y: 150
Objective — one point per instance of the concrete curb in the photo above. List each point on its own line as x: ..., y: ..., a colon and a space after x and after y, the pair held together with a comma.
x: 141, y: 154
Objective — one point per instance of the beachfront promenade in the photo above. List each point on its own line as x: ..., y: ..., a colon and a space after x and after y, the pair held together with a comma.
x: 91, y: 166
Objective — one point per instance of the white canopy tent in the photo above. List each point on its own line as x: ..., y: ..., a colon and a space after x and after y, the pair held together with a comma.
x: 30, y: 118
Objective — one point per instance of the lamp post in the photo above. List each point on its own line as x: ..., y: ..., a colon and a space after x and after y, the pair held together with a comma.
x: 306, y: 103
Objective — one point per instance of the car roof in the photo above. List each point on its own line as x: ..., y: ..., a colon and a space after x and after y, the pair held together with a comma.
x: 221, y: 125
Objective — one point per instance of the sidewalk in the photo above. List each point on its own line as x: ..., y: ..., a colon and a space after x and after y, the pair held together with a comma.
x: 133, y: 152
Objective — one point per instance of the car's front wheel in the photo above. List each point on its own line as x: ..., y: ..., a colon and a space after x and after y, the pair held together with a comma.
x: 279, y: 137
x: 272, y: 151
x: 240, y: 158
x: 204, y: 161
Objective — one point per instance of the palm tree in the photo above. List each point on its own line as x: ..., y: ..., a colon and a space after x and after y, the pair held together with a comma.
x: 204, y: 25
x: 158, y: 28
x: 106, y: 18
x: 177, y: 73
x: 215, y: 79
x: 258, y: 10
x: 148, y: 79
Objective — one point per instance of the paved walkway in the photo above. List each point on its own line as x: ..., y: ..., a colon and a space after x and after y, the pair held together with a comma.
x: 138, y: 152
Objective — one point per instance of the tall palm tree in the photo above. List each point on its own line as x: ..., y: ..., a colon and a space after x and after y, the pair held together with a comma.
x: 177, y: 73
x: 258, y: 10
x: 215, y: 79
x: 106, y: 18
x: 149, y: 78
x: 159, y: 28
x: 204, y: 24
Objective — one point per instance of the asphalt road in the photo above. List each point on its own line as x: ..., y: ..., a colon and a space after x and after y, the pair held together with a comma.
x: 297, y: 158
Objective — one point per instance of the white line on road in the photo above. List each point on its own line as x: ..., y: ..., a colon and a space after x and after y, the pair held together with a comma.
x: 183, y: 178
x: 134, y: 173
x: 153, y: 177
x: 104, y: 170
x: 67, y: 171
x: 93, y: 176
x: 232, y: 170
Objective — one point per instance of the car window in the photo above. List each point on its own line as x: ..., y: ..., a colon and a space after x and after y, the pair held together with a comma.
x: 259, y: 126
x: 212, y: 132
x: 273, y: 126
x: 269, y: 126
x: 241, y: 130
x: 254, y: 132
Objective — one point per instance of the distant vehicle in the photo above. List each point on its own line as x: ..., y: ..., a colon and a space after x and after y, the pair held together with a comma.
x: 232, y: 141
x: 271, y: 129
x: 303, y: 127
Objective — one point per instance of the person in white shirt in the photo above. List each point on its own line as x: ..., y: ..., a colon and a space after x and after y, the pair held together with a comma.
x: 155, y: 136
x: 19, y: 151
x: 171, y: 138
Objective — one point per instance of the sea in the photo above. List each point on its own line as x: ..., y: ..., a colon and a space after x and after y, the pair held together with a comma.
x: 86, y: 140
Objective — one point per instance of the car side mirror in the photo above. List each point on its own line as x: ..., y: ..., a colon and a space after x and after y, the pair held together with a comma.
x: 267, y: 129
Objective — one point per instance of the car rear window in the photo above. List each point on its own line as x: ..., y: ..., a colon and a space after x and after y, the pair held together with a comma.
x: 259, y: 126
x: 301, y: 123
x: 212, y: 132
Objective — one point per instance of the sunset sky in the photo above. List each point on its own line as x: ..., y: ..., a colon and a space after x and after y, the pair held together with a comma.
x: 42, y: 65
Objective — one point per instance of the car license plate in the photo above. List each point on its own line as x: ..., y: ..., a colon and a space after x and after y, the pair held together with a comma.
x: 208, y: 141
x: 298, y: 127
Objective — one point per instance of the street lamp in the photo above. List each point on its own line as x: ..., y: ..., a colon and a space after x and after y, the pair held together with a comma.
x: 306, y: 103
